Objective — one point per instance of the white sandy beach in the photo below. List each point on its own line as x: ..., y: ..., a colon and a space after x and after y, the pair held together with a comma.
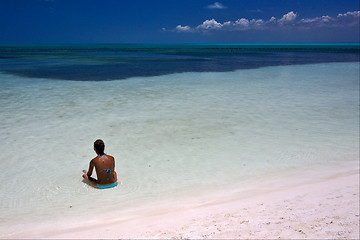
x: 310, y: 205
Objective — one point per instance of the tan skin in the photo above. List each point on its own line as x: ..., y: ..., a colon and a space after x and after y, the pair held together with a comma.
x: 101, y: 163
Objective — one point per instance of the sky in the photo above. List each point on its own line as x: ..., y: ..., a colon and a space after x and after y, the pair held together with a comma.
x: 178, y: 21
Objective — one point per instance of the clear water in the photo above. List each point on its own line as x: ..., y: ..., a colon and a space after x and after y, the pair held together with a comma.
x: 171, y: 135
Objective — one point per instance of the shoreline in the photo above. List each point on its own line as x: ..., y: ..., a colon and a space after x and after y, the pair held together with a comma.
x: 317, y: 203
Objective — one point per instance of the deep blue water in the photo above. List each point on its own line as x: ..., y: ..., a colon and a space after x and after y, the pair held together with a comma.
x: 120, y: 61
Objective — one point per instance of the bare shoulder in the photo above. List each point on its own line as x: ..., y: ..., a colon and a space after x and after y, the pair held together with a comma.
x: 93, y: 160
x: 111, y: 158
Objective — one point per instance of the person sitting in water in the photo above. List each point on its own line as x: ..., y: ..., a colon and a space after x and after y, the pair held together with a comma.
x: 104, y: 166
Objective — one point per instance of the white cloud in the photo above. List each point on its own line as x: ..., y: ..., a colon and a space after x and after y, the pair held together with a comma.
x: 289, y: 17
x: 341, y: 20
x: 323, y: 21
x: 349, y: 14
x: 349, y: 18
x: 216, y: 5
x: 242, y: 23
x: 257, y: 23
x: 210, y: 24
x: 287, y: 21
x: 180, y: 28
x: 272, y: 19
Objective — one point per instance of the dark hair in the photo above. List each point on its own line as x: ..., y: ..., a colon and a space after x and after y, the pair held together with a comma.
x: 99, y: 146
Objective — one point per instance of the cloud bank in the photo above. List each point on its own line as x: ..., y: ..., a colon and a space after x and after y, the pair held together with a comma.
x: 287, y: 21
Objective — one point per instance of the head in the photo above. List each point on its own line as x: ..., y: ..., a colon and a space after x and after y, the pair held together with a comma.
x: 99, y: 146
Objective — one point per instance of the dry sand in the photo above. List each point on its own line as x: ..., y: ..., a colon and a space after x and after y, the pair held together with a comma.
x: 309, y: 205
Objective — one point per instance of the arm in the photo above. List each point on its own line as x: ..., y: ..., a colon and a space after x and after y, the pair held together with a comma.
x: 91, y: 167
x: 115, y: 174
x: 87, y: 174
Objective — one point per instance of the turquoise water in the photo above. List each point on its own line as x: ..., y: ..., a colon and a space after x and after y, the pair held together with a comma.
x: 172, y: 135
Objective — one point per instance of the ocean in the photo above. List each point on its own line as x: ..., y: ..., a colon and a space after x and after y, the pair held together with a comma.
x: 180, y: 120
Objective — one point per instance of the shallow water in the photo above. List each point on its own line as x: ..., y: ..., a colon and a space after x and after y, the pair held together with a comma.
x: 171, y: 135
